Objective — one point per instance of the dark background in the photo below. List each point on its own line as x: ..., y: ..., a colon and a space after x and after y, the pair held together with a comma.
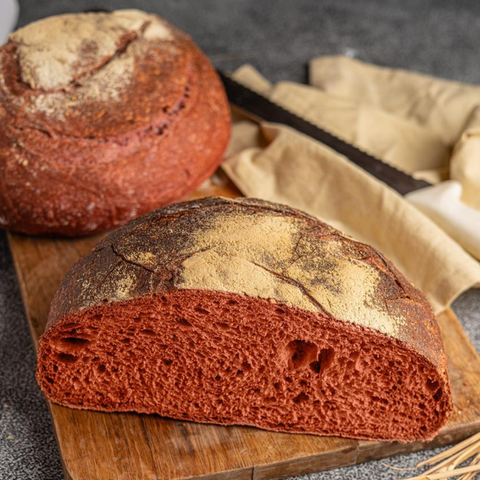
x: 279, y: 38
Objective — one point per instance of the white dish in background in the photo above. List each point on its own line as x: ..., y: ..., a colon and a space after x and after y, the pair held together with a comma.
x: 8, y: 18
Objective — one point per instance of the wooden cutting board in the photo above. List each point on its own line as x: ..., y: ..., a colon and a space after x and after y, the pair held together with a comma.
x: 106, y: 446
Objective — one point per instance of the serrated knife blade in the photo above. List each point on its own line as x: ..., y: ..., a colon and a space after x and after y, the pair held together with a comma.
x: 260, y: 107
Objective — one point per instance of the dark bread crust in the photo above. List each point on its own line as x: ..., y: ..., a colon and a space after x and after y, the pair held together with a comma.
x: 90, y: 164
x: 151, y: 259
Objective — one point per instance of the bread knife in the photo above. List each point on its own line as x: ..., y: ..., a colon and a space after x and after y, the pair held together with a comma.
x: 441, y: 202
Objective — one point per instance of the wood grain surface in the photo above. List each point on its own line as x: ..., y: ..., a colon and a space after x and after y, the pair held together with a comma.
x: 106, y: 446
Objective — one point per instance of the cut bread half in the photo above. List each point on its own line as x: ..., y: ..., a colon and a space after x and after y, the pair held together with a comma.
x: 249, y: 313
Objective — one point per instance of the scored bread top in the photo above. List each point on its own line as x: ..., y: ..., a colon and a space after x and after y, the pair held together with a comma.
x: 255, y: 248
x: 96, y: 74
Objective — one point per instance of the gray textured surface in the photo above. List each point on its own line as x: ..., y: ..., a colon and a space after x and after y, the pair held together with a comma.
x: 437, y: 37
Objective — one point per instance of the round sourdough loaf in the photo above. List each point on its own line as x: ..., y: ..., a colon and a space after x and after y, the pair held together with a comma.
x: 103, y: 117
x: 246, y: 312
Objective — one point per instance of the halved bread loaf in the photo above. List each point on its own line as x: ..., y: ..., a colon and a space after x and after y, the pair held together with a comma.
x: 246, y: 312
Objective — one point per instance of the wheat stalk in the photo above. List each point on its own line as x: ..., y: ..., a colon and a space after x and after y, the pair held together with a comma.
x: 448, y: 461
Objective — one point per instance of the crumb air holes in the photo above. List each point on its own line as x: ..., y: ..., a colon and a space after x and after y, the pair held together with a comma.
x: 222, y: 325
x: 303, y: 353
x: 438, y: 395
x: 324, y: 360
x: 184, y: 322
x: 246, y: 367
x: 66, y: 357
x: 73, y: 343
x: 301, y: 397
x: 202, y: 311
x: 149, y: 332
x: 434, y: 387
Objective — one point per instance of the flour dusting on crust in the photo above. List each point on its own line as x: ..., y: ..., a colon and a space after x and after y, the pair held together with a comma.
x: 58, y: 50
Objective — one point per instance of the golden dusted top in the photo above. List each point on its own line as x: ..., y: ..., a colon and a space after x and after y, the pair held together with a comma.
x: 56, y: 51
x: 280, y: 258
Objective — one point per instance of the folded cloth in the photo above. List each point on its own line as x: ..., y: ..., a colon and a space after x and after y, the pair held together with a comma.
x: 279, y: 164
x: 465, y: 161
x: 446, y: 109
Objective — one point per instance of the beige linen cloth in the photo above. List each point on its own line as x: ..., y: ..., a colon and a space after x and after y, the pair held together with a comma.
x: 427, y: 127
